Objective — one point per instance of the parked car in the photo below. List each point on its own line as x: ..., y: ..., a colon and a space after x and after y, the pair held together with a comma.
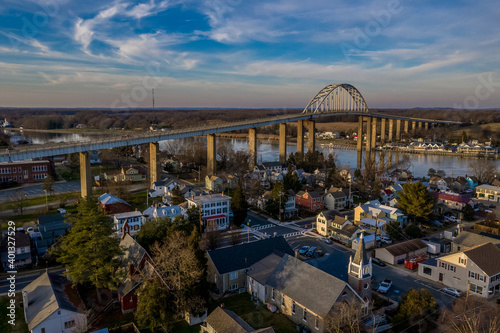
x: 384, y: 286
x: 452, y: 292
x: 320, y: 253
x: 304, y: 250
x: 491, y: 206
x: 327, y: 240
x: 385, y: 240
x: 311, y: 252
x: 378, y: 262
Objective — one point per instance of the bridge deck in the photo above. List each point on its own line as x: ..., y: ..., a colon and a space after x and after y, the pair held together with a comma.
x: 26, y: 152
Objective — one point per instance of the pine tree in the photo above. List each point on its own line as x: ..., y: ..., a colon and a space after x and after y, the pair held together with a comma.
x: 415, y: 200
x: 88, y: 251
x: 292, y: 181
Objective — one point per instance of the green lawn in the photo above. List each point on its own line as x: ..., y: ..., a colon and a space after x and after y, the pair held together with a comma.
x: 255, y: 316
x: 20, y: 325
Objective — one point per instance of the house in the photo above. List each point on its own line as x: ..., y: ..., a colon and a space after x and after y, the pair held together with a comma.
x: 214, y: 183
x: 136, y: 263
x: 52, y: 305
x: 50, y: 227
x: 225, y: 321
x: 269, y: 167
x: 227, y: 266
x: 386, y: 196
x: 466, y: 239
x: 290, y: 210
x: 159, y: 211
x: 135, y: 221
x: 488, y: 192
x: 452, y: 200
x: 113, y: 205
x: 438, y: 184
x: 22, y: 252
x: 335, y: 198
x: 373, y: 210
x: 395, y: 189
x: 94, y: 157
x: 475, y: 270
x: 400, y: 251
x: 311, y: 201
x: 285, y: 282
x: 128, y: 174
x: 215, y: 209
x: 331, y: 224
x: 160, y: 188
x: 472, y: 182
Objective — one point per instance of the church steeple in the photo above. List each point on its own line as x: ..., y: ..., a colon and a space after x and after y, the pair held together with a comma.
x: 360, y: 271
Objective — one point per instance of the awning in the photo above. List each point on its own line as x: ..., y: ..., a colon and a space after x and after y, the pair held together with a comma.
x: 214, y: 217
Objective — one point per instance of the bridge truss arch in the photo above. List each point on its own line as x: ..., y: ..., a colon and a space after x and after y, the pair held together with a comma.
x: 339, y: 97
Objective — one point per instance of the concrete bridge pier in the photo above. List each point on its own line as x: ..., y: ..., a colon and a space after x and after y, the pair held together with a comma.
x: 300, y: 136
x: 398, y: 129
x: 419, y: 125
x: 368, y: 135
x: 382, y: 130
x: 211, y: 155
x: 389, y: 159
x: 413, y: 125
x: 252, y: 148
x: 382, y: 160
x: 406, y: 126
x: 359, y: 147
x: 426, y: 126
x: 282, y: 143
x: 154, y: 165
x: 391, y: 129
x: 85, y: 176
x: 311, y: 132
x: 374, y: 132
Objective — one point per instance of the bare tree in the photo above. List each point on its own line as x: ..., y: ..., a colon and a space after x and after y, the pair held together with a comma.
x: 484, y: 170
x: 471, y: 315
x: 234, y: 236
x: 347, y: 318
x: 18, y: 200
x: 212, y: 239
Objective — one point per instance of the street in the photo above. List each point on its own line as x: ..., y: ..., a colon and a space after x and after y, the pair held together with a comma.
x: 23, y: 279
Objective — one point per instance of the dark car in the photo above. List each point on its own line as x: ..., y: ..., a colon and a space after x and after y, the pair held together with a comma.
x: 491, y: 206
x: 312, y: 251
x: 304, y: 250
x: 378, y: 262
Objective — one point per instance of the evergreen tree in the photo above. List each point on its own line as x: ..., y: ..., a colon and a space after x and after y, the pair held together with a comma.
x: 292, y: 181
x: 154, y: 231
x: 276, y: 204
x: 414, y: 313
x: 468, y: 213
x: 414, y: 199
x: 239, y: 205
x: 431, y: 172
x: 177, y: 197
x: 89, y: 252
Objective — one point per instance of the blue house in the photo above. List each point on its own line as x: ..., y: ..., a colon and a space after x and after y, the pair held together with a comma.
x: 50, y: 227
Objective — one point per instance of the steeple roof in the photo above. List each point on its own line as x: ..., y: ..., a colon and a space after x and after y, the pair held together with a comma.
x: 360, y: 254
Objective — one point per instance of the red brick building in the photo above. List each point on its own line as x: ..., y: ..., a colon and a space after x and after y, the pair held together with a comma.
x: 24, y: 171
x: 311, y: 201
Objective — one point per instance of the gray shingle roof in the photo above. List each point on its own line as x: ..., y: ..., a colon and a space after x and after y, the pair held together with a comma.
x: 405, y: 247
x: 469, y: 239
x: 311, y: 287
x: 45, y: 296
x: 226, y: 321
x: 261, y: 270
x: 232, y: 258
x: 360, y: 252
x: 486, y: 257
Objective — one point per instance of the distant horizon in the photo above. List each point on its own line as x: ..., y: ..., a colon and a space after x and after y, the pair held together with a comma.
x: 248, y: 54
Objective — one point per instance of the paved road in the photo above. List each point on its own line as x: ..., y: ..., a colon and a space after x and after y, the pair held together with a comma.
x: 35, y: 190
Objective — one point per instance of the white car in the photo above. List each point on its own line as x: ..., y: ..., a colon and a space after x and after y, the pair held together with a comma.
x: 384, y: 286
x: 385, y: 240
x: 327, y: 240
x: 452, y: 292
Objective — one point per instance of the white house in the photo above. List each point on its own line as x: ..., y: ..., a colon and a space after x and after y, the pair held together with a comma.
x: 159, y: 211
x: 215, y: 209
x: 335, y: 199
x: 48, y: 307
x: 135, y: 220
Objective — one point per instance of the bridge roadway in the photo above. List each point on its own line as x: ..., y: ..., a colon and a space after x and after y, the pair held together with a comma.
x: 27, y: 152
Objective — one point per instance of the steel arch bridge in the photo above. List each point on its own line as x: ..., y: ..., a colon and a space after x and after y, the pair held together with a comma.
x: 340, y: 97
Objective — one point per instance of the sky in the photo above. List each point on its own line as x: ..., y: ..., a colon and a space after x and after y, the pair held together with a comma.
x: 248, y: 53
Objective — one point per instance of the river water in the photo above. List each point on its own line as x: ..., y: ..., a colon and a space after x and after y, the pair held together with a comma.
x: 419, y: 164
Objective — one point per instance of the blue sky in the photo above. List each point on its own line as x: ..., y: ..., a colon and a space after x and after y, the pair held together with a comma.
x: 242, y: 53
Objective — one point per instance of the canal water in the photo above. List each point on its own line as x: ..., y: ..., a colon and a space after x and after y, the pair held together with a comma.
x: 268, y: 150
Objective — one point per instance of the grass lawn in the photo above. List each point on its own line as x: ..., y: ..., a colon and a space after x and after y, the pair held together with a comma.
x: 255, y: 316
x: 20, y: 325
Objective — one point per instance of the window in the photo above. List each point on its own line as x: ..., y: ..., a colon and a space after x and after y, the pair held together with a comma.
x: 282, y: 300
x: 427, y: 270
x: 234, y: 286
x: 69, y: 324
x: 233, y: 275
x: 42, y: 330
x: 304, y: 317
x: 272, y: 294
x: 293, y: 307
